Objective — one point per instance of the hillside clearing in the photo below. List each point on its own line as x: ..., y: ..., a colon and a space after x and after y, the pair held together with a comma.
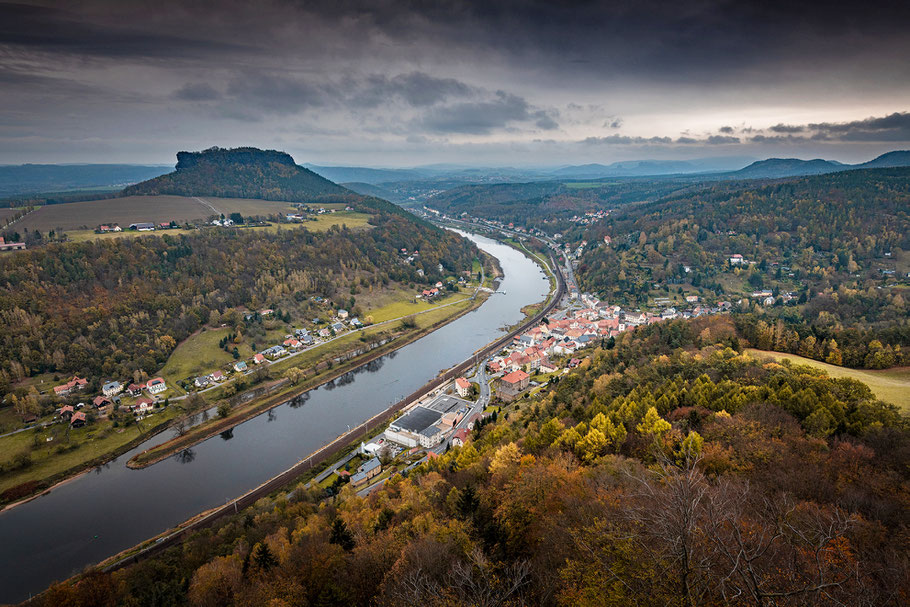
x: 890, y: 385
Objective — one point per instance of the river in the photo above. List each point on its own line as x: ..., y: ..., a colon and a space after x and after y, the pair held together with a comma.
x: 112, y: 508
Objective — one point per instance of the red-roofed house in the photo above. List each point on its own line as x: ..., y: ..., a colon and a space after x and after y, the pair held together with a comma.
x: 463, y: 387
x: 460, y: 437
x: 156, y: 386
x: 78, y: 419
x: 259, y: 359
x: 143, y: 405
x: 73, y: 385
x: 513, y: 384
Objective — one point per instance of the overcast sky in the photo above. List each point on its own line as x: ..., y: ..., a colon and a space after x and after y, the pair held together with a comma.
x: 383, y: 83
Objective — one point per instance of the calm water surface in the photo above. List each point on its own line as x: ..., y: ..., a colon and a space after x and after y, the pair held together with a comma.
x: 103, y: 512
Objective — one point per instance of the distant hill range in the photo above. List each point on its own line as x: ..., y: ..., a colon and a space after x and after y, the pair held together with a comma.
x: 45, y: 178
x: 241, y: 173
x: 793, y: 167
x: 646, y: 168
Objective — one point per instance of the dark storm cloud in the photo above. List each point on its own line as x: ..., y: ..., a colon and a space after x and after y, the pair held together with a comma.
x: 277, y: 93
x: 721, y: 140
x: 706, y: 39
x: 63, y: 31
x: 482, y: 117
x: 894, y: 127
x: 726, y: 129
x: 417, y: 89
x: 787, y: 128
x: 891, y: 128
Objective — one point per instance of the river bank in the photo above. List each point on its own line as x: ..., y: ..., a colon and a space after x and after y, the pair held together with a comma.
x: 200, y: 431
x: 96, y: 515
x: 312, y: 463
x: 214, y: 427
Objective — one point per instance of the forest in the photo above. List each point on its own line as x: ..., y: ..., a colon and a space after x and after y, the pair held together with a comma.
x: 106, y: 308
x: 835, y: 245
x: 242, y: 173
x: 671, y: 469
x: 549, y: 205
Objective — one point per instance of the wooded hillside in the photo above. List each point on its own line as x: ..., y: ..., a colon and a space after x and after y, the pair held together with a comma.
x: 670, y: 470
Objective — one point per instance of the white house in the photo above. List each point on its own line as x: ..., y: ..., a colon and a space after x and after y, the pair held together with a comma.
x: 156, y: 386
x: 342, y: 314
x: 111, y: 388
x: 736, y: 259
x: 463, y: 387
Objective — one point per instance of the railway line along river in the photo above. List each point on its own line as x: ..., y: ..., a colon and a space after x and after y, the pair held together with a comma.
x: 105, y: 511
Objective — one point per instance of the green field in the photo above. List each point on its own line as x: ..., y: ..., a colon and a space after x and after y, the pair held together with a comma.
x: 411, y: 306
x: 199, y: 354
x: 890, y: 385
x: 93, y: 441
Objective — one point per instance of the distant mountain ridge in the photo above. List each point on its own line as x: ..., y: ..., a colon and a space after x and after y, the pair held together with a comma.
x: 794, y: 167
x: 34, y: 178
x: 241, y: 173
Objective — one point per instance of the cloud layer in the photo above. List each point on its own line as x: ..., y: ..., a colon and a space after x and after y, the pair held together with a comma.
x: 412, y: 81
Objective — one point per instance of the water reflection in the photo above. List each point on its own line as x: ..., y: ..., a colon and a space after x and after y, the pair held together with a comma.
x: 186, y: 456
x: 50, y: 546
x: 299, y: 400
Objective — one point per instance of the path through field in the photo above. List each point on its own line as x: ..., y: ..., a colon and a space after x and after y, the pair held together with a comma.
x: 209, y: 205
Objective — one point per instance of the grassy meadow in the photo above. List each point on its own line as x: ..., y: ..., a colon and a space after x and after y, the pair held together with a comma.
x: 889, y: 385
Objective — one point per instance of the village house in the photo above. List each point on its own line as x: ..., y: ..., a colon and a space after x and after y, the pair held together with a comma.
x: 512, y: 385
x: 78, y: 419
x: 111, y: 388
x: 74, y: 385
x: 736, y: 259
x: 460, y: 437
x: 66, y: 412
x: 156, y: 385
x: 366, y: 471
x: 217, y: 376
x: 258, y: 359
x: 143, y: 405
x: 240, y: 366
x: 342, y: 314
x: 462, y: 387
x: 100, y: 401
x: 201, y: 381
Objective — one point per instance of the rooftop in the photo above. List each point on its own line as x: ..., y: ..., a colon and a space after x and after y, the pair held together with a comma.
x: 417, y: 419
x: 445, y: 403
